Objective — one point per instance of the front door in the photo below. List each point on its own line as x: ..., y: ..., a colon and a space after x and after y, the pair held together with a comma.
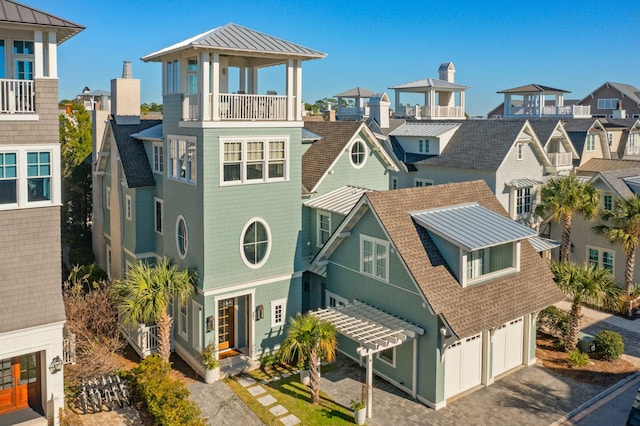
x: 19, y: 383
x: 225, y: 324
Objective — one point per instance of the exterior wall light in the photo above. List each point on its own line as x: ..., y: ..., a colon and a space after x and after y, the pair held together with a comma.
x: 56, y: 365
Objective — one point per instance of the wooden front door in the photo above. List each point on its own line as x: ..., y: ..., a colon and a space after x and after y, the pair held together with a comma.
x: 13, y: 392
x: 225, y: 324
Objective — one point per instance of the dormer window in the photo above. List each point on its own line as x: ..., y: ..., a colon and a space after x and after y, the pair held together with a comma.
x: 423, y: 146
x: 490, y: 262
x: 591, y: 143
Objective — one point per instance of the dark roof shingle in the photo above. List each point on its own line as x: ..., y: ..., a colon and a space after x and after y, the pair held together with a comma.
x: 133, y: 156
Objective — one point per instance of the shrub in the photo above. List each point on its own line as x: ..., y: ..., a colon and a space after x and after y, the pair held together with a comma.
x: 272, y: 359
x: 554, y: 321
x: 577, y: 358
x: 167, y: 399
x: 609, y: 344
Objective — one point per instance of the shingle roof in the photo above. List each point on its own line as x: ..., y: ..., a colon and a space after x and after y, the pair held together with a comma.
x: 544, y: 129
x: 489, y: 141
x: 478, y: 307
x: 16, y: 13
x: 360, y: 92
x: 133, y: 156
x: 628, y: 90
x: 319, y: 157
x: 235, y: 38
x: 616, y: 180
x: 533, y: 88
x: 429, y: 82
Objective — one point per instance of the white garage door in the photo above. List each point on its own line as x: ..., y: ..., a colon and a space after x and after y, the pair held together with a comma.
x: 507, y: 346
x: 462, y: 365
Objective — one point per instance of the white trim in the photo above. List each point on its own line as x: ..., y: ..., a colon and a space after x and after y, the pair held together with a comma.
x: 171, y: 172
x: 245, y: 285
x: 144, y: 255
x: 183, y: 322
x: 108, y: 258
x: 375, y: 243
x: 161, y: 161
x: 365, y: 153
x: 283, y: 314
x: 319, y: 229
x: 156, y: 201
x: 107, y: 197
x: 243, y: 123
x: 186, y: 237
x: 392, y: 362
x: 197, y: 325
x: 601, y: 252
x: 19, y: 117
x: 266, y: 140
x: 128, y: 207
x: 269, y: 243
x: 251, y: 320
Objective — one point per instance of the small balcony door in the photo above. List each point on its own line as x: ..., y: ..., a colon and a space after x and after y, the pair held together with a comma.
x: 226, y: 324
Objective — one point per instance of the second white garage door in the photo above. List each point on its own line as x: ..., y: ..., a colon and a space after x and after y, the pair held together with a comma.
x: 507, y: 346
x: 463, y: 365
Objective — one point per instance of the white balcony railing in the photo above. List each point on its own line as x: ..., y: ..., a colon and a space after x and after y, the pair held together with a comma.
x: 17, y: 96
x: 353, y: 112
x: 552, y: 111
x: 238, y: 107
x: 560, y: 159
x: 418, y: 111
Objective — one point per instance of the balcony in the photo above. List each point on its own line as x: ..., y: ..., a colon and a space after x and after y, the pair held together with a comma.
x: 236, y: 107
x: 424, y: 112
x: 17, y: 96
x: 574, y: 111
x: 352, y: 113
x: 560, y: 161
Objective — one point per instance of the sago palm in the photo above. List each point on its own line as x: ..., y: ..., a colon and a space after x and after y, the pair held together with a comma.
x: 583, y: 283
x: 624, y: 228
x: 564, y: 196
x: 311, y: 339
x: 146, y: 293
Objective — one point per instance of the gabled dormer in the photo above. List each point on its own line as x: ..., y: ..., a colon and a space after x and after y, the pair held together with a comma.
x: 424, y: 138
x: 215, y: 76
x: 478, y: 244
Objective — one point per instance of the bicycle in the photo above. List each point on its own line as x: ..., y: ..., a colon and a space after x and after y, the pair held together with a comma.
x: 115, y: 390
x: 106, y: 394
x: 95, y: 397
x: 124, y: 390
x: 84, y: 400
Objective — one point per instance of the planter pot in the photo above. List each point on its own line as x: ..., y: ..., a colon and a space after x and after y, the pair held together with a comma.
x: 211, y: 376
x: 304, y: 377
x: 360, y: 416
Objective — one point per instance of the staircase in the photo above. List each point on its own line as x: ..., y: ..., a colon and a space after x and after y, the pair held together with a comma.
x: 238, y: 364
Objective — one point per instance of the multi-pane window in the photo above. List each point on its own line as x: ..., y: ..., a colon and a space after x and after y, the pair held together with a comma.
x: 423, y: 146
x: 23, y: 59
x: 182, y: 159
x: 255, y: 243
x: 523, y: 201
x: 158, y: 215
x: 172, y: 76
x: 358, y: 153
x: 374, y: 258
x: 394, y: 183
x: 8, y: 177
x: 607, y: 202
x: 607, y: 103
x: 39, y: 176
x: 278, y: 312
x: 6, y: 374
x: 28, y: 369
x: 182, y: 237
x: 632, y: 144
x: 591, y: 142
x: 601, y: 257
x: 182, y: 320
x: 254, y: 160
x: 493, y: 261
x: 519, y: 151
x: 324, y: 227
x: 476, y: 265
x: 192, y: 76
x: 158, y: 158
x: 422, y: 182
x: 610, y: 139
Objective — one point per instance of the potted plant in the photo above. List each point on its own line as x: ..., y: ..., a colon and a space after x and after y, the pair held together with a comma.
x: 359, y: 411
x: 303, y: 366
x: 211, y: 363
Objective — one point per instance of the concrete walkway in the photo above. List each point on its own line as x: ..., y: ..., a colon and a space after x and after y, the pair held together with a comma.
x: 221, y: 405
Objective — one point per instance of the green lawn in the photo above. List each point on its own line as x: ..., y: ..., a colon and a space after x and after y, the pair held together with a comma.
x: 296, y: 398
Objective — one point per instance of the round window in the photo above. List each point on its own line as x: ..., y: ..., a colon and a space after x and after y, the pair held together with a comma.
x: 182, y: 237
x: 256, y: 243
x: 358, y: 154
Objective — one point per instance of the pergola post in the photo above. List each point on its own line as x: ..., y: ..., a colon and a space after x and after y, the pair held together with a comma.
x: 369, y: 384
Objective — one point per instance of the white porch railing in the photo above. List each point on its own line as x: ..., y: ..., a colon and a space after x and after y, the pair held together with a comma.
x: 353, y: 112
x: 559, y: 159
x: 69, y: 349
x: 252, y: 107
x: 552, y: 111
x: 418, y: 111
x: 17, y: 96
x: 142, y: 338
x: 582, y: 110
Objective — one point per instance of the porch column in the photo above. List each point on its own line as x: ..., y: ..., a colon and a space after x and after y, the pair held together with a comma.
x: 486, y: 377
x: 253, y: 80
x: 298, y: 90
x: 242, y: 78
x: 290, y: 90
x: 507, y: 105
x: 414, y: 380
x: 526, y: 350
x: 462, y: 103
x: 541, y: 104
x: 215, y: 87
x: 397, y: 96
x: 369, y: 384
x: 205, y: 79
x: 38, y: 71
x: 52, y: 56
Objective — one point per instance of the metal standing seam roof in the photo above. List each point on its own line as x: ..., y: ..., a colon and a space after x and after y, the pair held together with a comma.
x: 373, y: 329
x: 430, y: 82
x: 233, y: 37
x: 152, y: 133
x: 16, y: 13
x: 524, y: 183
x: 472, y: 226
x: 339, y: 200
x: 423, y: 129
x: 541, y: 244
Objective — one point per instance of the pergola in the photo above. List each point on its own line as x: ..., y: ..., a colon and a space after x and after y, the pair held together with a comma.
x: 374, y: 330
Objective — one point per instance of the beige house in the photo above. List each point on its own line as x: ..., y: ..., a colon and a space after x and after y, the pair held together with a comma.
x: 614, y: 100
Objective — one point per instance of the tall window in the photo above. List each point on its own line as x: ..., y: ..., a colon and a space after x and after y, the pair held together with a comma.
x: 8, y: 177
x: 2, y: 63
x: 423, y: 146
x: 374, y: 258
x: 254, y: 160
x: 358, y: 154
x: 324, y: 227
x: 39, y: 175
x: 128, y: 207
x: 607, y: 103
x: 523, y: 201
x: 172, y: 75
x: 632, y: 144
x: 519, y: 151
x: 601, y: 257
x: 158, y: 204
x: 256, y: 243
x: 192, y: 76
x: 182, y: 321
x: 591, y: 142
x: 107, y: 197
x: 23, y: 59
x: 610, y: 139
x: 607, y: 202
x: 158, y: 158
x: 182, y: 237
x: 476, y: 266
x: 182, y: 159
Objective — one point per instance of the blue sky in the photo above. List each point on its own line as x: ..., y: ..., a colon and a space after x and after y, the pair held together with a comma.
x: 494, y: 45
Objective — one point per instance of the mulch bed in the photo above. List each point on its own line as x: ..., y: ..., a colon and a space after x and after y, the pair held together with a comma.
x: 597, y: 372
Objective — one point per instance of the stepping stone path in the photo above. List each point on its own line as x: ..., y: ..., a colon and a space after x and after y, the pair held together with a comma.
x: 256, y: 390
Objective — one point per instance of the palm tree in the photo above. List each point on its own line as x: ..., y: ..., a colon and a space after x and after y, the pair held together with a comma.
x: 145, y: 294
x: 310, y: 339
x: 583, y: 283
x: 624, y: 229
x: 564, y: 196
